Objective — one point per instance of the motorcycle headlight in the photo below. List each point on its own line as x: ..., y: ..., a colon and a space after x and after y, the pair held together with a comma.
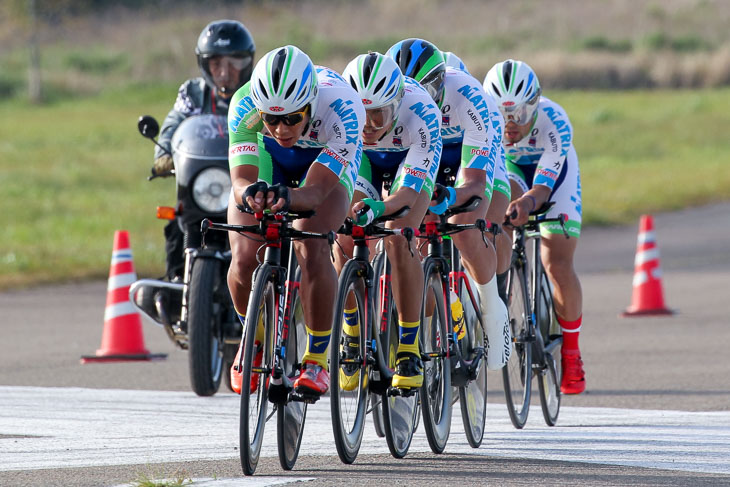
x: 211, y: 189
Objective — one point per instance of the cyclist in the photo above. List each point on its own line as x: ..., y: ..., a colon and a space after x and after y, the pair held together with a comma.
x: 402, y: 145
x: 543, y: 166
x: 311, y: 121
x: 471, y: 129
x: 225, y: 51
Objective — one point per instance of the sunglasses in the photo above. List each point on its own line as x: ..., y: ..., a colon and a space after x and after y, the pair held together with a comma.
x: 290, y: 119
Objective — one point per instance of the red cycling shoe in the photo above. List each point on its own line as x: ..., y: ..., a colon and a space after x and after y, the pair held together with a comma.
x: 574, y: 377
x: 313, y: 380
x: 237, y: 376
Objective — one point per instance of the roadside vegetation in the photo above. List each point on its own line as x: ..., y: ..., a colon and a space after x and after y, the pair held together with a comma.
x: 73, y: 168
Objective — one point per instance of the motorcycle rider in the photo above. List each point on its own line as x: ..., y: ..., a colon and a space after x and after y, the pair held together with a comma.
x: 225, y: 52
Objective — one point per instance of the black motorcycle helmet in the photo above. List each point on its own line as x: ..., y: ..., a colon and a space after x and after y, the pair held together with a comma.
x: 422, y: 61
x: 225, y: 38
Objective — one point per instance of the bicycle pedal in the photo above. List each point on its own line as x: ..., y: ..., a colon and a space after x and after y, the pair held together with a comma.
x: 304, y: 397
x: 395, y: 391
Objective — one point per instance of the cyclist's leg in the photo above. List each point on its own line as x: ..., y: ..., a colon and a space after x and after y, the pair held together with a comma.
x: 558, y: 258
x: 319, y: 284
x: 501, y: 197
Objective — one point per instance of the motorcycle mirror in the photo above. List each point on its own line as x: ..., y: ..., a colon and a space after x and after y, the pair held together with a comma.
x: 148, y: 126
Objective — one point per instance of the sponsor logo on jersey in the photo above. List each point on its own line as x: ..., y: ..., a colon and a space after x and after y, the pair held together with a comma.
x: 562, y: 127
x: 429, y: 114
x: 480, y: 152
x: 416, y: 173
x: 472, y: 94
x: 347, y: 115
x: 242, y: 109
x: 314, y: 134
x: 397, y: 141
x: 445, y: 120
x: 548, y: 174
x: 334, y: 155
x: 276, y: 109
x: 250, y: 148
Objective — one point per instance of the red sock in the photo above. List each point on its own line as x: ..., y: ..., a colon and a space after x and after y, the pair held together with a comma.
x: 571, y: 331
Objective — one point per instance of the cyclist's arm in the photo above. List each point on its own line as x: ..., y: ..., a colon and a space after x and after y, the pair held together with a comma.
x: 244, y: 124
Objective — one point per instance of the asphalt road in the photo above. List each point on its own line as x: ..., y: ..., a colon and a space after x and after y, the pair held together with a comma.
x: 678, y: 363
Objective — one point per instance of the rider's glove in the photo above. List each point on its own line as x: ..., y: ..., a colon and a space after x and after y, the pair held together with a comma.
x: 280, y: 191
x: 444, y: 196
x: 252, y: 189
x: 163, y: 166
x: 368, y: 213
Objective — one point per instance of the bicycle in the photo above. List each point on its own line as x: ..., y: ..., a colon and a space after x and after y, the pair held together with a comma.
x: 274, y: 300
x: 363, y: 366
x: 535, y: 331
x: 452, y: 356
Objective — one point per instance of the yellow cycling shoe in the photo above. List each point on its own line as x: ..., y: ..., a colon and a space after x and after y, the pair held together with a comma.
x: 349, y: 372
x: 408, y: 371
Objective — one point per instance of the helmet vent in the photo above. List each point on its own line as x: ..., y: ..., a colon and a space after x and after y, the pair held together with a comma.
x: 290, y: 90
x: 352, y: 82
x: 379, y: 86
x: 496, y: 90
x: 263, y: 90
x: 519, y: 87
x: 277, y: 65
x: 507, y: 73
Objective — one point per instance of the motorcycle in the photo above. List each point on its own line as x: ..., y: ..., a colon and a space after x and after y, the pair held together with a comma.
x: 197, y: 313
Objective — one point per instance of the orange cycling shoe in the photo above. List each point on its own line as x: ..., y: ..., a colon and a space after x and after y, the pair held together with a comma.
x: 574, y: 377
x: 314, y: 380
x: 237, y: 376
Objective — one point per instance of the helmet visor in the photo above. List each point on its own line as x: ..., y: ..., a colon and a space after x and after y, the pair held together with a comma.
x: 520, y: 114
x: 225, y: 71
x: 381, y: 117
x: 435, y: 86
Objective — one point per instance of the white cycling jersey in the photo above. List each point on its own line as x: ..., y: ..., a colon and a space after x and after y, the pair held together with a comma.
x: 546, y: 156
x: 471, y: 129
x: 410, y: 150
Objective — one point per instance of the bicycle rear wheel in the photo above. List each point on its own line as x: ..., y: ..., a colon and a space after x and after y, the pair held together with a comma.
x: 436, y: 390
x: 254, y: 403
x: 381, y: 291
x: 291, y: 415
x: 549, y: 378
x: 549, y: 386
x: 473, y: 396
x: 348, y: 365
x: 517, y: 373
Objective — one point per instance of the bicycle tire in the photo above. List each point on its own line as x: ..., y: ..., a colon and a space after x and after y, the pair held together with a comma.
x: 473, y: 396
x: 517, y: 372
x: 436, y: 391
x: 349, y: 407
x: 550, y: 395
x: 205, y: 354
x: 400, y: 414
x: 291, y: 415
x: 254, y: 407
x: 379, y: 285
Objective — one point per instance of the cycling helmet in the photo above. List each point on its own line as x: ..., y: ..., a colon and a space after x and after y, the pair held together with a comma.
x: 226, y: 38
x: 515, y: 88
x: 423, y: 62
x: 377, y: 79
x: 284, y: 81
x: 454, y: 61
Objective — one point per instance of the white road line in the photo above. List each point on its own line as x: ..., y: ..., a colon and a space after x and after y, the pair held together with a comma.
x: 74, y: 427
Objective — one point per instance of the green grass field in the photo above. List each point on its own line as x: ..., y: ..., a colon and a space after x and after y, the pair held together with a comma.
x: 73, y: 172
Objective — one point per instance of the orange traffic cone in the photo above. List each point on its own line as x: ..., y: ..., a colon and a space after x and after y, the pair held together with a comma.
x: 647, y: 298
x: 122, y: 337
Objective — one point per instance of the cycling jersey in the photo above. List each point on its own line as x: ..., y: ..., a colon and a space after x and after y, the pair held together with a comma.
x: 471, y: 129
x: 332, y: 137
x: 410, y: 151
x: 546, y: 156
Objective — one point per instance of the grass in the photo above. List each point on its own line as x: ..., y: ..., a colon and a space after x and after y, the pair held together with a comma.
x: 72, y: 172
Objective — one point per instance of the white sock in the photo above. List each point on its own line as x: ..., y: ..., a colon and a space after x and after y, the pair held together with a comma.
x: 496, y: 320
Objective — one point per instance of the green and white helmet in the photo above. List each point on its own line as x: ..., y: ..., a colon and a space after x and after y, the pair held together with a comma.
x: 377, y: 79
x: 284, y: 81
x: 515, y: 88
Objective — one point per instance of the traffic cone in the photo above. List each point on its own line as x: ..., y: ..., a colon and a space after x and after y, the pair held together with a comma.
x: 122, y: 338
x: 647, y: 298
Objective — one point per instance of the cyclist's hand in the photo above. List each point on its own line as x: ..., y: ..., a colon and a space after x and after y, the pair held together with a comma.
x: 163, y: 166
x: 277, y: 198
x: 367, y: 210
x: 518, y: 211
x: 442, y: 198
x: 253, y: 196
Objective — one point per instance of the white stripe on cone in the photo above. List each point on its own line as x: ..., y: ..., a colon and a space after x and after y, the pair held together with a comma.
x: 120, y: 309
x: 645, y: 256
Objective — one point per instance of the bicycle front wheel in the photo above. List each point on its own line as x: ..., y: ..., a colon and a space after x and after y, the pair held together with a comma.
x: 549, y: 386
x: 549, y: 378
x: 254, y: 393
x: 517, y: 372
x: 436, y: 390
x: 290, y: 415
x: 473, y: 396
x: 348, y: 364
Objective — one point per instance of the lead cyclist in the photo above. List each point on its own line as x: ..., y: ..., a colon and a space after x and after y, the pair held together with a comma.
x: 471, y: 129
x: 543, y: 166
x: 290, y: 121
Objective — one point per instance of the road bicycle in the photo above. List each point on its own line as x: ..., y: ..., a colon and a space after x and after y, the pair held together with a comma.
x: 362, y: 366
x: 536, y: 334
x: 274, y: 302
x: 453, y: 357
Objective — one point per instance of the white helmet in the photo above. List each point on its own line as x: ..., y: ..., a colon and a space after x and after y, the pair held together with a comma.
x: 284, y: 81
x: 515, y: 88
x: 454, y: 61
x: 376, y: 78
